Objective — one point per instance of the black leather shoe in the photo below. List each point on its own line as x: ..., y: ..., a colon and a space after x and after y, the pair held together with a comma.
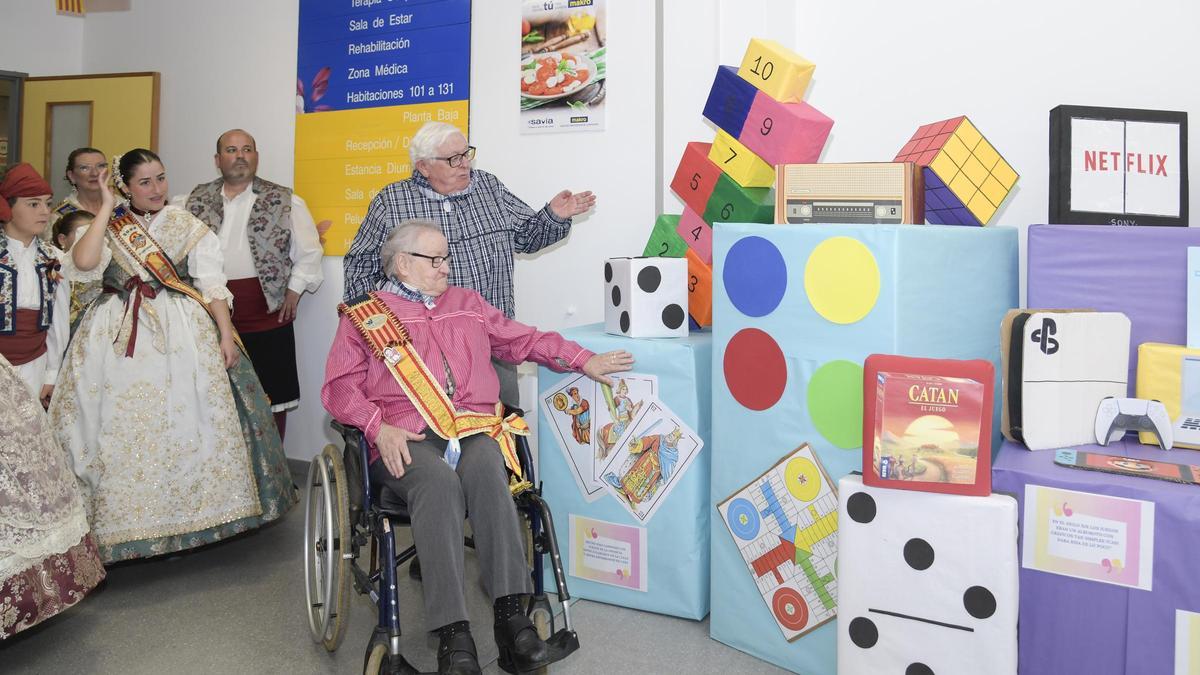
x: 457, y: 656
x: 521, y: 650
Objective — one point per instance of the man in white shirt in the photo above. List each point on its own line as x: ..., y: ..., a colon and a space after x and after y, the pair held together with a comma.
x: 272, y: 257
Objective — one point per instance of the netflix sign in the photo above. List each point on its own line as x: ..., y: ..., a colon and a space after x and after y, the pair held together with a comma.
x: 1113, y: 166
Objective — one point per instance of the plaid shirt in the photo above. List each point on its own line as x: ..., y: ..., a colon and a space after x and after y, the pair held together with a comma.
x: 484, y: 224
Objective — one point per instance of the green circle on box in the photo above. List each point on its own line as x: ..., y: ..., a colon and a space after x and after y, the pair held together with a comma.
x: 835, y: 403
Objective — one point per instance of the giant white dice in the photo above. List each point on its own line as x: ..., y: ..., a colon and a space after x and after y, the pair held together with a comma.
x: 646, y: 297
x: 927, y: 582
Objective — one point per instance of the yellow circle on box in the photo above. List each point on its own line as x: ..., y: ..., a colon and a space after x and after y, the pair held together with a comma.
x: 803, y: 479
x: 841, y: 279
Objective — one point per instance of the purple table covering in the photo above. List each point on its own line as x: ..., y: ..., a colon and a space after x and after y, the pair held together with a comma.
x: 1071, y: 626
x: 1141, y: 271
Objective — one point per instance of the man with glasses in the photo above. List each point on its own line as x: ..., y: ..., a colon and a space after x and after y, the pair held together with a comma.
x: 484, y: 223
x: 452, y: 335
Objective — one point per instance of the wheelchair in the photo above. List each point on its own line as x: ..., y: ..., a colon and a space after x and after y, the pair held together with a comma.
x: 345, y: 513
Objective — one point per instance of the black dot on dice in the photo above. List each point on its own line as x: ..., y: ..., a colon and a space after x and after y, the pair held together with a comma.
x: 861, y: 507
x: 624, y: 322
x: 863, y: 632
x: 979, y: 602
x: 616, y: 296
x: 649, y: 279
x: 918, y: 669
x: 918, y: 554
x: 672, y: 316
x: 607, y: 272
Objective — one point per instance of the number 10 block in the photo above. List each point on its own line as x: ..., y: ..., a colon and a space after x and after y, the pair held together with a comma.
x: 776, y: 70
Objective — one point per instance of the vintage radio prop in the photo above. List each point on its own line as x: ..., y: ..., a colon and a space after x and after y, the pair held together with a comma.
x: 885, y: 193
x: 1118, y: 166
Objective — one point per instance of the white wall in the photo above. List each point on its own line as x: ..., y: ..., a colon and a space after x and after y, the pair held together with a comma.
x: 883, y: 69
x: 35, y: 40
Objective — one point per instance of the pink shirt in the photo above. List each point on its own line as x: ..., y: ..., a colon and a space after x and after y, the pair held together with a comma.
x: 359, y: 390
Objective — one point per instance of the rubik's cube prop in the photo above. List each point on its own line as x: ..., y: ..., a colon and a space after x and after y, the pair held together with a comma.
x: 761, y: 121
x: 966, y: 180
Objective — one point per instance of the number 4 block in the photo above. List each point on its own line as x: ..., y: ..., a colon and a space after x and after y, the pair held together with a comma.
x: 696, y: 234
x: 966, y: 179
x: 776, y: 70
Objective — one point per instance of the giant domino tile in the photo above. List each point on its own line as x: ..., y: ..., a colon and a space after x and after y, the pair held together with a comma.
x: 797, y: 309
x: 965, y: 178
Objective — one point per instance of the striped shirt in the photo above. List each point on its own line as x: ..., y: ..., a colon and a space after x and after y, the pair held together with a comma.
x: 485, y: 226
x: 463, y: 329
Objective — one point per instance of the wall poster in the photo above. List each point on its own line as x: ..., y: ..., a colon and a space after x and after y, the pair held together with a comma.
x: 562, y: 78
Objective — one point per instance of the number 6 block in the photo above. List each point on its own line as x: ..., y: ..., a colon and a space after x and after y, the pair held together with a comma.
x: 785, y: 133
x: 695, y: 177
x: 732, y: 203
x: 776, y: 70
x: 744, y: 167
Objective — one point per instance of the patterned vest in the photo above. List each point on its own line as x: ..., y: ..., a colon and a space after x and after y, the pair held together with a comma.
x: 47, y: 280
x: 269, y: 230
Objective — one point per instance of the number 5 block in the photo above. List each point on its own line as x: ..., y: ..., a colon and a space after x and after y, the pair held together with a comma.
x: 776, y: 70
x: 785, y: 133
x: 696, y: 233
x: 695, y: 176
x: 744, y: 167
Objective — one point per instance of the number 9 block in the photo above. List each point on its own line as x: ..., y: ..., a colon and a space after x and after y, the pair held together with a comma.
x: 776, y: 70
x: 785, y: 133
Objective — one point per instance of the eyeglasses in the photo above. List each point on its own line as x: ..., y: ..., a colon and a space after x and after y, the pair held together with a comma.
x: 90, y: 168
x: 435, y: 260
x: 457, y: 160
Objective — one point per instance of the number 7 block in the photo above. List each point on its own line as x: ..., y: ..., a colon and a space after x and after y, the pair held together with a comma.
x: 695, y: 177
x: 776, y: 70
x: 744, y: 167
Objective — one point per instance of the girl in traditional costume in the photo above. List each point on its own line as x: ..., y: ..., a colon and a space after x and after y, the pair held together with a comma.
x: 169, y: 429
x: 63, y: 235
x: 34, y: 326
x: 48, y: 560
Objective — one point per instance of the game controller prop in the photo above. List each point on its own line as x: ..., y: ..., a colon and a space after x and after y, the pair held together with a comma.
x: 1132, y: 414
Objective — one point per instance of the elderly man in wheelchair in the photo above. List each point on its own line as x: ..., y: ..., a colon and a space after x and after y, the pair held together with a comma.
x: 410, y: 367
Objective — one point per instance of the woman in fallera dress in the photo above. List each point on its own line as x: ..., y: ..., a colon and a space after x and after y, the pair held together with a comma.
x: 168, y: 427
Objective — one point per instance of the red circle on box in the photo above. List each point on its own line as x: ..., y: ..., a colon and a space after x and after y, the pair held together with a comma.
x: 789, y: 607
x: 755, y: 370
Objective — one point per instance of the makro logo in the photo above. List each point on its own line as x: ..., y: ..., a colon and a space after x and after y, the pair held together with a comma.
x: 579, y: 120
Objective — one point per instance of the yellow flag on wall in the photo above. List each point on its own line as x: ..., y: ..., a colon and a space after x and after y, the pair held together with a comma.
x: 72, y: 7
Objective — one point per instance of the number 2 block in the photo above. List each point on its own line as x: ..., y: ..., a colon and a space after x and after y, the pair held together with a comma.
x: 736, y: 161
x: 732, y: 203
x: 776, y: 70
x: 665, y: 241
x: 785, y: 133
x: 696, y: 177
x: 696, y: 234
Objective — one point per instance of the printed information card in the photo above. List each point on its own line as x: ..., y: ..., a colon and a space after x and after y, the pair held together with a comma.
x: 1089, y: 536
x: 608, y: 553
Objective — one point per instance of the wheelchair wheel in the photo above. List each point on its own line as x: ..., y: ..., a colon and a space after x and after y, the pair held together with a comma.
x: 375, y: 661
x: 327, y: 539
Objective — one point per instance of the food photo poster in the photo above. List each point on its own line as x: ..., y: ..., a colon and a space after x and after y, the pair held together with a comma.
x: 562, y: 74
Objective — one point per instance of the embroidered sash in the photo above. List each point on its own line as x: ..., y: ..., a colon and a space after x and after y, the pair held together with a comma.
x: 389, y: 341
x: 129, y: 234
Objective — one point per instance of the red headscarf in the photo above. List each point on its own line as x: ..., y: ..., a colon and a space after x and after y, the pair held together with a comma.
x: 22, y: 180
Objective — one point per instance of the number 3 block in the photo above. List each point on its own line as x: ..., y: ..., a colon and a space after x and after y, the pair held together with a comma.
x: 699, y: 289
x: 785, y: 133
x: 696, y: 177
x: 744, y: 167
x: 696, y: 233
x: 776, y: 70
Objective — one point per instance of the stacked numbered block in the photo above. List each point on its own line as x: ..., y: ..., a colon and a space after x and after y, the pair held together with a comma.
x: 645, y: 297
x: 927, y: 582
x: 736, y: 161
x: 776, y: 70
x: 664, y: 240
x: 797, y: 309
x: 675, y: 580
x: 705, y: 189
x: 777, y: 132
x: 1138, y: 271
x: 966, y: 179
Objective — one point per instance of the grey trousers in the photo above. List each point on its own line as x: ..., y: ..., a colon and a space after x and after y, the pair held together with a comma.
x: 439, y: 499
x: 506, y: 372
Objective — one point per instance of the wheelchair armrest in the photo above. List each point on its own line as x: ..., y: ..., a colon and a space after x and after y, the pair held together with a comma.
x: 351, y: 435
x: 513, y: 410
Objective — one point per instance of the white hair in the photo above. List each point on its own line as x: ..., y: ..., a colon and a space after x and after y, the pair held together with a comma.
x: 401, y: 240
x: 430, y: 137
